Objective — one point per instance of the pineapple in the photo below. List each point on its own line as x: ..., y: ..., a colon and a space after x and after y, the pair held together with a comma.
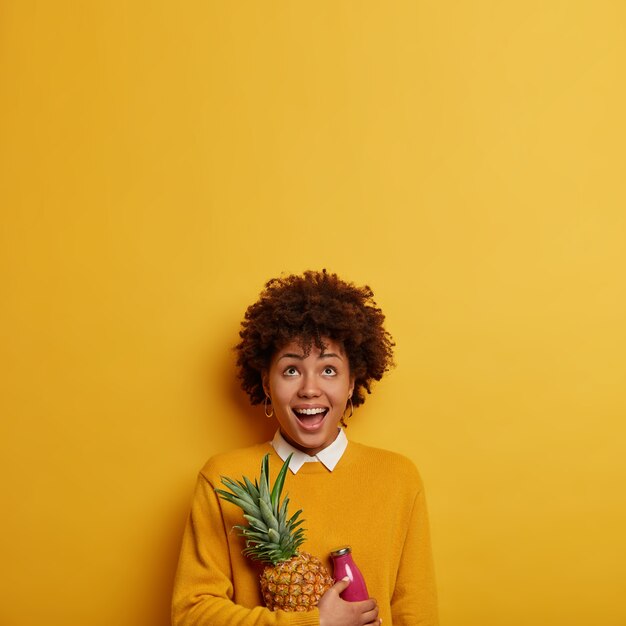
x: 291, y: 580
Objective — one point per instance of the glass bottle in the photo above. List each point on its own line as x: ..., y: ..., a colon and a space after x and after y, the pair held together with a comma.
x: 344, y: 565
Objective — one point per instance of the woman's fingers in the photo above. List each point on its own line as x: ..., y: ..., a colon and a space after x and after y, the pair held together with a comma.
x: 371, y: 616
x: 341, y: 585
x: 337, y: 612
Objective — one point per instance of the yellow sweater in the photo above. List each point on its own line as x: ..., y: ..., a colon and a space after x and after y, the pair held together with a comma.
x: 373, y: 501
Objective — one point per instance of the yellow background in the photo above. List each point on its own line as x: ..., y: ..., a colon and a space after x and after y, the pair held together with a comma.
x: 161, y: 160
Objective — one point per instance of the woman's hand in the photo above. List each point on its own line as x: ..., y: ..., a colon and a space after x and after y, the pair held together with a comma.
x: 337, y: 612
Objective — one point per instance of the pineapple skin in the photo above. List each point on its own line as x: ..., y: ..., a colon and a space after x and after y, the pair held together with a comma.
x: 296, y: 584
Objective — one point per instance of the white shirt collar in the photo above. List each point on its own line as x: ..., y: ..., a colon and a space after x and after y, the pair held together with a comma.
x: 329, y: 456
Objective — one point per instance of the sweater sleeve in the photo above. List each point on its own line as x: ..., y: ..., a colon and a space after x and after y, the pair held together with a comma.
x: 414, y: 601
x: 203, y: 588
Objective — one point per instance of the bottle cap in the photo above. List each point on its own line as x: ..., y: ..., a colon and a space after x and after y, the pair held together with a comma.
x: 341, y: 551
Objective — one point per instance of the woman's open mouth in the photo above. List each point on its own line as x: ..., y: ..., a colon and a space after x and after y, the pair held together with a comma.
x: 310, y: 418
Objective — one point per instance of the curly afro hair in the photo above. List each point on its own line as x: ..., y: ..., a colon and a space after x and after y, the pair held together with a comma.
x: 309, y: 308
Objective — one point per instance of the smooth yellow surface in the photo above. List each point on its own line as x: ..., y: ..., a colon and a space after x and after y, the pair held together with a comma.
x: 159, y: 161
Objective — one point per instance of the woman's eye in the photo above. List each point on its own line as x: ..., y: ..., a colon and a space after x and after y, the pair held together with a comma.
x: 329, y: 371
x: 291, y: 371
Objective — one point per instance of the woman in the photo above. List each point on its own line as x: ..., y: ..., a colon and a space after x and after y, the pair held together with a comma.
x: 310, y: 347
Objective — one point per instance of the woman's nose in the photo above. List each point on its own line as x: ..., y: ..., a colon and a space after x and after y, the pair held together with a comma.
x: 309, y: 388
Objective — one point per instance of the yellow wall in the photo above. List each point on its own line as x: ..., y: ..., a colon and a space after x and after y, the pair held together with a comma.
x: 161, y: 160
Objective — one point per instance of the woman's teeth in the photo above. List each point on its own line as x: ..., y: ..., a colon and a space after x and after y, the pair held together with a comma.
x: 309, y: 411
x: 312, y: 419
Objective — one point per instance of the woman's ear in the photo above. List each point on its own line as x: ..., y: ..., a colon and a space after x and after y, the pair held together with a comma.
x: 351, y: 390
x: 265, y: 379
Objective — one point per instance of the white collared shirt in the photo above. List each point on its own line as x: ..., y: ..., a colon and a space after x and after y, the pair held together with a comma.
x: 329, y: 456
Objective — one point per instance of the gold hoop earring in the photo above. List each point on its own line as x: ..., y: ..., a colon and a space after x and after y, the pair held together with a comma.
x: 268, y: 415
x: 343, y: 417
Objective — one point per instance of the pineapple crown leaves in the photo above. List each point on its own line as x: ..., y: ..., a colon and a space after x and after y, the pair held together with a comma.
x: 270, y: 536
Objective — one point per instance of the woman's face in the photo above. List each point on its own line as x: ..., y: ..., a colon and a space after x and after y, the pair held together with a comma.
x: 309, y: 393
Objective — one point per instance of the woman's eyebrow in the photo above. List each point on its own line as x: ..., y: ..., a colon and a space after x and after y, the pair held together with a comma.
x: 293, y: 355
